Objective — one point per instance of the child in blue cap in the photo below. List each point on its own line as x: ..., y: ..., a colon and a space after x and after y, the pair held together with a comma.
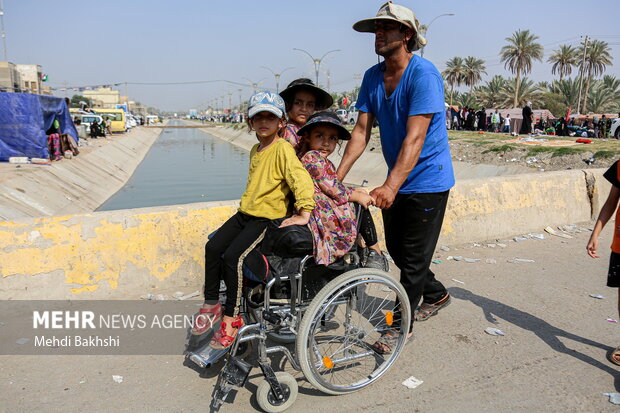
x: 275, y: 173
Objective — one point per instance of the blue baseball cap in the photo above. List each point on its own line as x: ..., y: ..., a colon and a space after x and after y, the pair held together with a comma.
x: 266, y: 102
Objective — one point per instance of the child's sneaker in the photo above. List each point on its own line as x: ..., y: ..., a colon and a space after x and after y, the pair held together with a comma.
x: 376, y: 260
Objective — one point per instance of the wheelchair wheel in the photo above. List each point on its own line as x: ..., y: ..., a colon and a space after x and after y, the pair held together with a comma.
x: 266, y: 399
x: 337, y: 332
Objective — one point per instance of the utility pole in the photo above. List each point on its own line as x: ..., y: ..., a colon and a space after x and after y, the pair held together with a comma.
x: 581, y: 70
x: 329, y: 76
x: 2, y: 33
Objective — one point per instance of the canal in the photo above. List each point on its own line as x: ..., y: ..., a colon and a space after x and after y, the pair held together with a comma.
x: 184, y: 166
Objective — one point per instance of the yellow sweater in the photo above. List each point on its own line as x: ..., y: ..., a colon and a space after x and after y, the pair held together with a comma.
x: 274, y: 174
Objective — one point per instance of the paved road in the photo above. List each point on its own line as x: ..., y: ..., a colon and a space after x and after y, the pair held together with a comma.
x: 552, y: 358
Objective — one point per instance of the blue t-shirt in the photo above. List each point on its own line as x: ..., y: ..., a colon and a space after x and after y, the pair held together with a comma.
x: 420, y: 91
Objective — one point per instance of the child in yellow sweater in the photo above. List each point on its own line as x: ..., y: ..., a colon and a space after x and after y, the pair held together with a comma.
x: 275, y: 172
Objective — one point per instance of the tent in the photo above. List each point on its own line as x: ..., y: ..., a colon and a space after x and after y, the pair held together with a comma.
x: 24, y: 119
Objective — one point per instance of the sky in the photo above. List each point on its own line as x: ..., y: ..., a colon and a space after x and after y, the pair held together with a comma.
x: 88, y: 43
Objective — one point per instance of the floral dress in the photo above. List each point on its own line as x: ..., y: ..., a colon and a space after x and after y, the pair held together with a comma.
x: 290, y: 134
x: 333, y: 221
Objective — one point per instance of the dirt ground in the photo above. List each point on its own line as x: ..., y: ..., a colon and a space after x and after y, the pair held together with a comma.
x: 552, y: 357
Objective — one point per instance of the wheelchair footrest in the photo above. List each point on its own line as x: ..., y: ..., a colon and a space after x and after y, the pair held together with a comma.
x: 234, y: 373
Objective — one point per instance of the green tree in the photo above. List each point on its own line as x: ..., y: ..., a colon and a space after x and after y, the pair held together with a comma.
x: 567, y: 90
x: 76, y: 99
x: 454, y: 74
x: 518, y: 55
x: 597, y: 58
x: 490, y: 94
x: 563, y: 60
x: 519, y: 92
x: 466, y: 99
x: 553, y: 102
x: 473, y: 70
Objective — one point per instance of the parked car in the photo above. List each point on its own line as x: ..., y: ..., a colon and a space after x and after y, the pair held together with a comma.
x: 342, y: 114
x: 88, y: 119
x: 614, y: 131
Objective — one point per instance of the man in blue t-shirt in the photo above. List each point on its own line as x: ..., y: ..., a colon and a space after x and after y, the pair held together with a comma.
x: 405, y: 95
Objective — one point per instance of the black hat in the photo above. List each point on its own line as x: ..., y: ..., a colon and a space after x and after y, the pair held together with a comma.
x: 329, y: 117
x: 323, y: 99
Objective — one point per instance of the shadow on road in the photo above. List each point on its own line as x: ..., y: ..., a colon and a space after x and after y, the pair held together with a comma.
x: 545, y: 331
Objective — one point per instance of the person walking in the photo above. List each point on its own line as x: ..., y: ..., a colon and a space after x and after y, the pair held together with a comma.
x: 495, y: 121
x: 405, y: 94
x: 528, y: 118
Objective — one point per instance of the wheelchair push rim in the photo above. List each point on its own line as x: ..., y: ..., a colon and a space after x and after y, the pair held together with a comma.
x: 341, y: 325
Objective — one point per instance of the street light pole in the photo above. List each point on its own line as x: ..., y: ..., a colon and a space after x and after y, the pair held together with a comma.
x: 317, y: 62
x: 2, y: 32
x: 252, y: 83
x: 277, y: 76
x: 428, y: 27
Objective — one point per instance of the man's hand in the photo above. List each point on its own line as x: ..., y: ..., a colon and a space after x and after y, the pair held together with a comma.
x: 383, y: 196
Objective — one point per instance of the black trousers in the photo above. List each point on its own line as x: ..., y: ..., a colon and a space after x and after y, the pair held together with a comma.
x: 412, y: 225
x: 224, y: 254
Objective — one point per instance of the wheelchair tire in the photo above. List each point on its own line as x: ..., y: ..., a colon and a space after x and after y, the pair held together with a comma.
x: 341, y: 325
x: 266, y: 399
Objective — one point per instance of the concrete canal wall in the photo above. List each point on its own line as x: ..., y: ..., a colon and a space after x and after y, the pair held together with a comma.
x: 74, y: 185
x: 124, y: 254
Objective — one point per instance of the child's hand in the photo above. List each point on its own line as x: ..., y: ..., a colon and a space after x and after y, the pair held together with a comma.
x: 301, y: 219
x: 592, y: 247
x: 361, y: 197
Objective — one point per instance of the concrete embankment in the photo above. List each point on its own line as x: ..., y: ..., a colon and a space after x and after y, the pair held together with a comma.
x: 123, y: 254
x: 75, y: 185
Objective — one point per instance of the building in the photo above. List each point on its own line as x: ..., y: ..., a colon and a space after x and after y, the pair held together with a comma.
x: 104, y: 97
x: 10, y: 78
x: 30, y: 78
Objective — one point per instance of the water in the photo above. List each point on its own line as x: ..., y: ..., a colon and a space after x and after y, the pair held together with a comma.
x: 184, y: 166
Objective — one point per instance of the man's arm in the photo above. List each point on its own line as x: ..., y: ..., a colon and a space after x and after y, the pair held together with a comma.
x: 355, y: 147
x: 417, y: 126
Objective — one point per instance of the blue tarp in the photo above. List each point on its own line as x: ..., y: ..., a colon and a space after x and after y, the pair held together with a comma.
x: 24, y: 119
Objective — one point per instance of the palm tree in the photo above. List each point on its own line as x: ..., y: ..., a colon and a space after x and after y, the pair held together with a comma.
x: 517, y: 56
x: 525, y: 91
x: 563, y: 60
x: 474, y: 68
x: 490, y: 94
x: 568, y: 89
x: 466, y: 99
x: 454, y: 74
x: 601, y: 99
x: 596, y: 61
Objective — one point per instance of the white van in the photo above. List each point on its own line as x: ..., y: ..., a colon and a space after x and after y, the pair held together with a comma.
x: 352, y: 115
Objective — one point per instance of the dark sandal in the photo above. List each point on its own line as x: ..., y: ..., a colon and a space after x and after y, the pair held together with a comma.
x: 387, y: 342
x: 614, y: 357
x: 426, y: 310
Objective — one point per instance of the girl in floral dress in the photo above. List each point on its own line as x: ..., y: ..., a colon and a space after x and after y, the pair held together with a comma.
x: 333, y: 221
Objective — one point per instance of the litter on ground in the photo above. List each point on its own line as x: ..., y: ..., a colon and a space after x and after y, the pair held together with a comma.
x: 600, y: 297
x: 118, y: 379
x: 412, y: 382
x: 614, y: 398
x: 494, y: 331
x: 457, y: 281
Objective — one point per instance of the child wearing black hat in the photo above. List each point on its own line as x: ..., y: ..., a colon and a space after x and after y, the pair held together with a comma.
x: 302, y: 98
x: 333, y: 220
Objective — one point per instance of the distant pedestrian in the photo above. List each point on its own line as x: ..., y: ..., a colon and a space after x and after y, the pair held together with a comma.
x: 506, y: 124
x: 528, y: 118
x: 495, y: 121
x: 611, y: 205
x: 108, y: 126
x: 94, y: 129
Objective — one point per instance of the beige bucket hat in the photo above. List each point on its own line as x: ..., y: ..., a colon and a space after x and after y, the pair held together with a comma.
x: 401, y: 14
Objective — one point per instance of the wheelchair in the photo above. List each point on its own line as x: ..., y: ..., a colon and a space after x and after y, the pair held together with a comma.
x: 330, y: 315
